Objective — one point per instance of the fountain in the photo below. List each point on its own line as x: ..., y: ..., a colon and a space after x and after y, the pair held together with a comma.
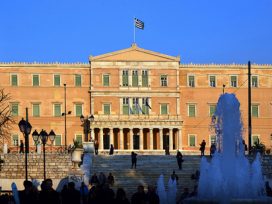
x: 229, y: 177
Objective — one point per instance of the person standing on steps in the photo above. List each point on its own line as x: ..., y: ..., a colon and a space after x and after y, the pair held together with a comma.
x: 111, y: 149
x: 133, y: 160
x: 179, y: 160
x: 96, y: 145
x: 202, y: 148
x: 21, y: 147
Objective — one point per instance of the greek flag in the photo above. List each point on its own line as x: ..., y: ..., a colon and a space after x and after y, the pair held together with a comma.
x: 146, y: 103
x: 138, y: 23
x: 139, y: 109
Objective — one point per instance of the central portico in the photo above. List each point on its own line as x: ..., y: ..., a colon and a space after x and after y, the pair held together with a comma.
x: 135, y: 99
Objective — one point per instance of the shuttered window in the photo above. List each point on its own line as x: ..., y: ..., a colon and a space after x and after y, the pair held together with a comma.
x: 78, y: 109
x: 14, y: 109
x: 191, y: 110
x: 35, y: 80
x: 212, y: 110
x: 79, y: 139
x: 106, y: 80
x: 164, y: 109
x: 57, y: 110
x: 57, y: 140
x: 255, y: 111
x: 125, y: 77
x: 36, y: 110
x: 191, y: 81
x: 144, y: 78
x: 14, y: 80
x: 212, y: 81
x: 254, y: 81
x: 192, y: 142
x: 135, y: 78
x: 15, y: 140
x: 56, y: 80
x: 106, y: 108
x: 125, y: 106
x: 77, y: 80
x: 233, y: 81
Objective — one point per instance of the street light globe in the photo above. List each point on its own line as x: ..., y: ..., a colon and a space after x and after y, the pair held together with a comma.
x: 52, y: 136
x: 35, y: 136
x: 82, y: 118
x: 22, y: 125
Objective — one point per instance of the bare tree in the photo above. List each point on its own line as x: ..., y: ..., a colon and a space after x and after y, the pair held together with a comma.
x: 6, y: 118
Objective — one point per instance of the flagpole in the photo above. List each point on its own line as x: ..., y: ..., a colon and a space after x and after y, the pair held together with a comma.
x: 134, y: 29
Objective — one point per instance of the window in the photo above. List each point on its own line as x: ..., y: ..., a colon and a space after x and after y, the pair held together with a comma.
x: 78, y: 111
x: 135, y: 105
x: 212, y: 110
x: 163, y: 80
x: 14, y: 109
x: 145, y: 106
x: 15, y: 140
x: 191, y: 81
x: 125, y: 106
x: 191, y: 110
x: 144, y: 78
x: 255, y: 138
x: 192, y: 140
x: 79, y: 139
x: 233, y: 81
x: 14, y: 80
x: 125, y: 78
x: 254, y: 81
x: 35, y: 80
x: 134, y: 78
x: 78, y: 80
x: 106, y: 109
x: 106, y: 79
x: 36, y: 110
x: 255, y: 111
x: 164, y: 109
x: 212, y: 139
x: 212, y: 81
x: 57, y: 140
x: 57, y: 110
x: 56, y: 80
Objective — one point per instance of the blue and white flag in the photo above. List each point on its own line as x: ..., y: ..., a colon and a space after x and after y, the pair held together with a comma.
x: 139, y: 109
x: 138, y: 23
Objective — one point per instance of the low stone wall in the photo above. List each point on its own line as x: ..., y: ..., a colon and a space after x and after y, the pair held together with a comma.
x: 57, y: 166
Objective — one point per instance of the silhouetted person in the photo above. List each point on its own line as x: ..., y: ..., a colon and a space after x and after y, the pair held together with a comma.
x: 110, y: 179
x: 139, y: 197
x: 84, y: 192
x: 96, y: 145
x: 174, y: 176
x: 29, y: 195
x: 133, y: 160
x: 202, y: 148
x: 179, y: 158
x: 167, y: 150
x: 72, y: 195
x: 268, y: 189
x: 94, y: 180
x: 48, y: 194
x: 245, y: 146
x: 184, y: 195
x: 111, y: 149
x: 212, y: 149
x: 121, y: 197
x: 21, y: 147
x: 151, y: 196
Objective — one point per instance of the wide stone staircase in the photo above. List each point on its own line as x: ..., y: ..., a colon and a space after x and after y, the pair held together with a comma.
x: 149, y: 168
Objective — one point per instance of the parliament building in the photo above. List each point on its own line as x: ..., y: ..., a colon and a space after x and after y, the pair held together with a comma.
x: 140, y: 100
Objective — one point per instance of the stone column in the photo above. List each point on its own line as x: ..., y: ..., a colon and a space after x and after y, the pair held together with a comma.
x: 111, y: 137
x: 141, y: 139
x: 161, y: 139
x: 170, y: 139
x: 101, y: 139
x: 129, y: 78
x: 121, y: 139
x: 131, y: 138
x: 151, y: 138
x: 179, y: 139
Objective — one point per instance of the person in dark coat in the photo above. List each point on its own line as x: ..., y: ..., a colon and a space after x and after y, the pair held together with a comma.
x: 29, y: 195
x: 151, y: 196
x: 48, y: 194
x: 121, y: 197
x: 133, y: 160
x: 96, y: 145
x: 212, y: 149
x: 72, y: 195
x: 110, y: 179
x: 179, y: 159
x: 94, y: 180
x: 139, y: 197
x: 111, y: 149
x: 202, y: 148
x: 21, y: 147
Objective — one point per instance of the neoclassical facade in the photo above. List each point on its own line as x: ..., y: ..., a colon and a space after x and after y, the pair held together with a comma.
x: 141, y: 100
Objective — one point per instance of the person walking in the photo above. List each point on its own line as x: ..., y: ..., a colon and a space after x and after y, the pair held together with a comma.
x: 96, y: 145
x: 111, y: 149
x: 133, y: 160
x: 21, y: 147
x: 202, y: 148
x: 179, y: 159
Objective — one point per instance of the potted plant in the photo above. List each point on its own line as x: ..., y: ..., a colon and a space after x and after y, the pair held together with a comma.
x: 77, y: 151
x: 1, y: 162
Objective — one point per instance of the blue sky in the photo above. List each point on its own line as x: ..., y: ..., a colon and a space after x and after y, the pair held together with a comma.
x: 200, y: 31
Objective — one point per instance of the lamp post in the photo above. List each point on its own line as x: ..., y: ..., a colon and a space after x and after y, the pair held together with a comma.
x: 86, y: 122
x: 64, y: 114
x: 25, y: 128
x: 43, y: 136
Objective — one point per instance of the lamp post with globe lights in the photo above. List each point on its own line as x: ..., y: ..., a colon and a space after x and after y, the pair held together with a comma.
x: 25, y: 128
x: 43, y: 136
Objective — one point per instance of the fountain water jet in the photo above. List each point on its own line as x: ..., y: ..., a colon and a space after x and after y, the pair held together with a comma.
x: 229, y: 177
